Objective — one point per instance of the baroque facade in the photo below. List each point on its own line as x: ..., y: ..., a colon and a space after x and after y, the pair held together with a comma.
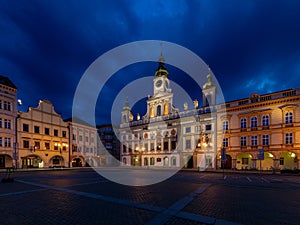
x: 166, y: 137
x: 43, y: 137
x: 261, y: 132
x: 268, y: 123
x: 8, y: 115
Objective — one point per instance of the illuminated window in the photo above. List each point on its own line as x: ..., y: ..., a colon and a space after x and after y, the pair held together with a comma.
x: 253, y: 140
x: 289, y: 117
x: 289, y: 138
x: 7, y: 123
x: 225, y: 142
x: 158, y: 147
x: 243, y: 123
x: 173, y: 161
x: 265, y: 120
x: 6, y: 105
x: 166, y: 108
x: 245, y: 161
x: 152, y: 161
x: 243, y: 141
x: 281, y: 161
x: 254, y: 121
x: 225, y: 125
x: 37, y: 145
x: 265, y: 139
x: 47, y: 145
x: 151, y: 111
x: 7, y: 142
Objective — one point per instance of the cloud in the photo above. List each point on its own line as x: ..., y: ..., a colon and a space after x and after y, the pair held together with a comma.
x: 47, y: 45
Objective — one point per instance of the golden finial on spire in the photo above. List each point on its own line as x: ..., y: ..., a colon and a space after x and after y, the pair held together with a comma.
x: 209, y: 82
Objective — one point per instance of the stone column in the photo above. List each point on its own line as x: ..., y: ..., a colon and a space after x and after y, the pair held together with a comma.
x: 233, y: 162
x: 276, y: 164
x: 253, y: 166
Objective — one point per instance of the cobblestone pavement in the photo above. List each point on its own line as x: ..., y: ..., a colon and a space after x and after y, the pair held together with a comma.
x: 84, y: 197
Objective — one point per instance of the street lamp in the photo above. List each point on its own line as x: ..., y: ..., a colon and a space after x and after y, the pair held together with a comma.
x: 32, y: 148
x: 140, y: 149
x: 203, y: 140
x: 58, y: 145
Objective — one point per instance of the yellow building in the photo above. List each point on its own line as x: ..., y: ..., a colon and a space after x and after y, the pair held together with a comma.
x: 270, y: 122
x: 8, y: 115
x: 43, y: 137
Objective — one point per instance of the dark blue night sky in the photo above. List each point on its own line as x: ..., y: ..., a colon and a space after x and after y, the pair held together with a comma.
x: 46, y: 46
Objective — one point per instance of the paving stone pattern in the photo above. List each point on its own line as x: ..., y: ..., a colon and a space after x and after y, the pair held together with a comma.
x: 83, y: 197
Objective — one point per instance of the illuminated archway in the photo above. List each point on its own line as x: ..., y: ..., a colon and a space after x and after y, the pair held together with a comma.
x: 267, y: 163
x: 244, y: 161
x: 288, y: 160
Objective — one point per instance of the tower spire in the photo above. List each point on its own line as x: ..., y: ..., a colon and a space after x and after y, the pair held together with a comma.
x: 126, y: 106
x: 161, y: 70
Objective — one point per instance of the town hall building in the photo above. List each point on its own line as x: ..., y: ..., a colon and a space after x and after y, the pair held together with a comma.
x: 166, y: 137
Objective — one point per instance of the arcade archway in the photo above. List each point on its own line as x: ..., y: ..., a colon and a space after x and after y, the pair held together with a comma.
x: 32, y: 161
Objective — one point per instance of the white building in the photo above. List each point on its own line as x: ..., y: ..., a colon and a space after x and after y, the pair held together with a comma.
x: 83, y: 143
x: 8, y: 115
x: 166, y: 137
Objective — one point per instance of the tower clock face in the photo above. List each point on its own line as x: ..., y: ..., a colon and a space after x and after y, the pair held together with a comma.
x: 158, y: 83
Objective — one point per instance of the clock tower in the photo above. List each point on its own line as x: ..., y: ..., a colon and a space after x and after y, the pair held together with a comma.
x: 161, y: 82
x: 161, y: 103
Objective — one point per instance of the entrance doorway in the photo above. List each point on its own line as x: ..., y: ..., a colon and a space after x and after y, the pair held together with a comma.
x: 228, y: 162
x: 76, y: 162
